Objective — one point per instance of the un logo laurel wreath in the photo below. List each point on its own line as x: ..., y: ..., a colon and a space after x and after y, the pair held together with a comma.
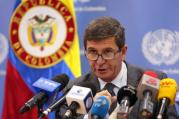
x: 161, y: 47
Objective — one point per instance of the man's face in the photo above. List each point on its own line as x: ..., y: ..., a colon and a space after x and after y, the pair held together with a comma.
x: 106, y: 69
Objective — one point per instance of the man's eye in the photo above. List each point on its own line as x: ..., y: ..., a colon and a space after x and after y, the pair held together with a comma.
x: 92, y: 52
x: 108, y: 51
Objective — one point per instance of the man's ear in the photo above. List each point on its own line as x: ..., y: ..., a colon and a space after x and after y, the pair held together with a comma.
x: 124, y: 51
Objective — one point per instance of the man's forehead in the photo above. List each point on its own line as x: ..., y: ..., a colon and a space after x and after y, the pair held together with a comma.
x: 104, y: 48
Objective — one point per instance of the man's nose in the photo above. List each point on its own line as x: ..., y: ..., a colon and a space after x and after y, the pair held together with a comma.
x: 100, y: 59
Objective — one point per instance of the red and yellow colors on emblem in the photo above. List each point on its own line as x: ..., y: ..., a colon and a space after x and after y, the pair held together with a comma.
x: 41, y: 32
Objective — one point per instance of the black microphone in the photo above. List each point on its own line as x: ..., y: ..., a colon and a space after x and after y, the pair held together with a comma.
x: 79, y: 100
x: 42, y: 97
x: 126, y: 98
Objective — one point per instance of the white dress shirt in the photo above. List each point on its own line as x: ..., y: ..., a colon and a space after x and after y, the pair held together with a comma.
x: 119, y: 81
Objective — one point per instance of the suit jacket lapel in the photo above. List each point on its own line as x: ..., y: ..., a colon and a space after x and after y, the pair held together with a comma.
x: 133, y: 75
x: 95, y: 81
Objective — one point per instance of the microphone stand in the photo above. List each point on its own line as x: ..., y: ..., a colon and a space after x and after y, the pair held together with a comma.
x: 162, y: 111
x: 71, y: 111
x: 40, y: 111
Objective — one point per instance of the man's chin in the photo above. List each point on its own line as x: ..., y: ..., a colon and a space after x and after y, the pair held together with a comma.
x: 104, y: 77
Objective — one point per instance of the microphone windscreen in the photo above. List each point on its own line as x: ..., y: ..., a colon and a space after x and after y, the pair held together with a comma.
x: 90, y: 85
x: 151, y: 73
x: 148, y: 83
x: 100, y: 107
x: 177, y: 98
x: 168, y: 88
x: 63, y: 79
x: 129, y: 92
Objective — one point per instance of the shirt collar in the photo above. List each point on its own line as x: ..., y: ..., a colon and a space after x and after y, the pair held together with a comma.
x: 120, y: 80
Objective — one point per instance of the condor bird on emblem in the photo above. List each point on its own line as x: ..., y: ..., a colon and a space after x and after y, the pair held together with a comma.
x: 41, y: 30
x: 161, y: 47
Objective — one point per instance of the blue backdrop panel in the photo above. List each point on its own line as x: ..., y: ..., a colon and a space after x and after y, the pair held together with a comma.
x: 152, y: 30
x: 6, y: 7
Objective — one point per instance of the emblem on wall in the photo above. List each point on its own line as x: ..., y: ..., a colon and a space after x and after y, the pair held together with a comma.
x: 41, y: 32
x: 161, y: 47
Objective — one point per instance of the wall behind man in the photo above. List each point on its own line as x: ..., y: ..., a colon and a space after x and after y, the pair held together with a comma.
x: 6, y: 7
x: 151, y: 30
x: 151, y: 26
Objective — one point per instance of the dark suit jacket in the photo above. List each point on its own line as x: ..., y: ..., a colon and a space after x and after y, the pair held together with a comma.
x: 134, y: 75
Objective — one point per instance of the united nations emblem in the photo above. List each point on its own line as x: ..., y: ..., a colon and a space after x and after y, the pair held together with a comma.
x: 3, y: 48
x: 161, y: 47
x: 41, y: 32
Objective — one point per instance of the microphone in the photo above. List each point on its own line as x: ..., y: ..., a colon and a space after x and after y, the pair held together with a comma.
x: 147, y: 92
x: 100, y: 108
x: 79, y: 100
x: 62, y: 100
x: 55, y: 105
x: 177, y: 101
x: 48, y: 87
x: 177, y: 98
x: 167, y: 91
x: 126, y: 98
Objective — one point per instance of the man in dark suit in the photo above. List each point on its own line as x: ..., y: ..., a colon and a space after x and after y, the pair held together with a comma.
x: 105, y: 49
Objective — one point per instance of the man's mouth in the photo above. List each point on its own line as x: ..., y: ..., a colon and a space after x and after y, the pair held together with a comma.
x: 101, y: 70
